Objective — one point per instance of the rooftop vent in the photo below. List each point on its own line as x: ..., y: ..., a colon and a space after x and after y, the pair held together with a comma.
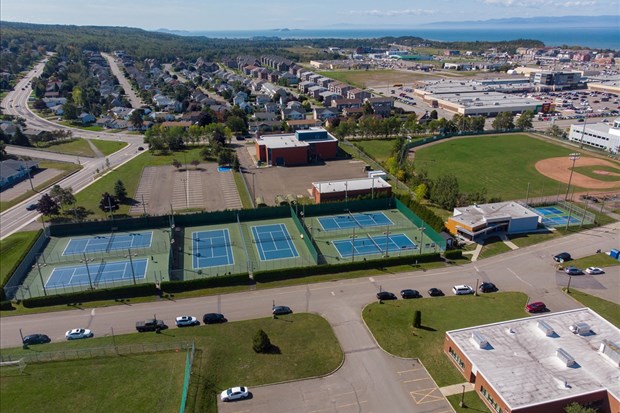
x: 580, y: 328
x: 566, y: 358
x: 479, y: 339
x: 611, y: 350
x: 546, y: 328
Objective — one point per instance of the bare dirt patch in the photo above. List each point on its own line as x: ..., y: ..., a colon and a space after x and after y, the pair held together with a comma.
x: 609, y: 173
x: 559, y: 169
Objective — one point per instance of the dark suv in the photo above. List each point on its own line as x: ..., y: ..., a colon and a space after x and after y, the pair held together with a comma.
x: 561, y: 257
x: 213, y: 318
x: 36, y: 339
x: 386, y: 295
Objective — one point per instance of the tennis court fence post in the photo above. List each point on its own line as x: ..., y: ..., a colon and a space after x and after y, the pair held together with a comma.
x: 90, y: 281
x: 133, y: 275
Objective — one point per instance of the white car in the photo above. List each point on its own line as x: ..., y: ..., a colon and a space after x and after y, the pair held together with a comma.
x: 78, y: 333
x: 235, y: 393
x: 462, y: 289
x: 594, y: 270
x: 186, y: 320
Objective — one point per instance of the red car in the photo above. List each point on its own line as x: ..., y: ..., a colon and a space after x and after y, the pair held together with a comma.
x: 536, y: 307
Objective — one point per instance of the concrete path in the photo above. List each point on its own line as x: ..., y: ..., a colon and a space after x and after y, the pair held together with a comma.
x: 456, y: 389
x: 509, y: 243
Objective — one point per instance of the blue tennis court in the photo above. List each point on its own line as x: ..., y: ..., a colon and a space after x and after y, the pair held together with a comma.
x: 100, y: 273
x: 364, y: 245
x: 347, y: 221
x: 554, y: 217
x: 212, y: 248
x: 107, y: 243
x: 273, y: 242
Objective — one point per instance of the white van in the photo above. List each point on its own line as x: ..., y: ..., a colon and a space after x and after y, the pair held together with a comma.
x: 462, y: 289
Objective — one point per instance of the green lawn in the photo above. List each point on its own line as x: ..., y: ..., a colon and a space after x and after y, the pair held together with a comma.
x: 224, y: 356
x: 136, y: 383
x: 596, y: 260
x: 606, y: 309
x: 12, y: 249
x: 77, y: 147
x: 390, y: 324
x: 244, y: 194
x: 364, y: 79
x: 493, y: 246
x: 502, y: 164
x: 65, y: 168
x: 589, y: 171
x: 525, y: 240
x: 108, y: 147
x: 130, y: 174
x: 378, y: 149
x: 473, y: 403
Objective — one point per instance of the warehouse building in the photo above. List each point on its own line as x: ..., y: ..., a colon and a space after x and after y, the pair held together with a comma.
x: 299, y: 148
x: 476, y: 221
x: 541, y: 364
x: 331, y: 191
x: 598, y: 135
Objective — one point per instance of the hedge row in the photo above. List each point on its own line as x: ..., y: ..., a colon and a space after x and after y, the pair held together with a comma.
x: 16, y: 263
x: 288, y: 273
x: 453, y: 254
x: 6, y: 306
x: 426, y: 214
x: 209, y: 282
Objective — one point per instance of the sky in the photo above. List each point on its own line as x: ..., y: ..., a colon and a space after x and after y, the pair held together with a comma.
x: 205, y: 15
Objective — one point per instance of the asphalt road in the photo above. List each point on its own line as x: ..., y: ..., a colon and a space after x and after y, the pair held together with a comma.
x: 134, y: 99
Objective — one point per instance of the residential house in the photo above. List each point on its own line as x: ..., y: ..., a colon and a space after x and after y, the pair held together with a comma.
x: 325, y: 113
x: 49, y: 102
x: 292, y: 80
x: 327, y: 97
x: 303, y: 124
x: 273, y: 90
x: 86, y: 118
x: 8, y: 128
x: 261, y: 99
x: 358, y: 94
x: 260, y: 116
x: 381, y: 106
x: 324, y: 81
x: 293, y: 114
x: 352, y: 112
x: 314, y: 91
x: 340, y: 104
x: 271, y: 107
x: 305, y: 85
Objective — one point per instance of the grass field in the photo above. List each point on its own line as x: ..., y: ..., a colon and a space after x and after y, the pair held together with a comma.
x: 596, y: 260
x: 108, y: 147
x: 135, y: 383
x: 614, y: 173
x: 65, y: 168
x: 11, y: 250
x: 482, y: 162
x: 472, y: 402
x: 378, y: 149
x: 130, y: 174
x: 606, y: 309
x: 224, y: 358
x: 390, y: 324
x: 77, y: 147
x: 374, y: 78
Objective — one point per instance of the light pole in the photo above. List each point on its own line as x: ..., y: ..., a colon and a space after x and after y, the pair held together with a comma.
x: 573, y: 156
x: 421, y: 238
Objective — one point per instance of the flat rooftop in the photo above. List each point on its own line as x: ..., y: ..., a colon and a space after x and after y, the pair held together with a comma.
x: 520, y: 361
x: 488, y: 100
x: 281, y: 141
x: 350, y: 185
x: 474, y: 215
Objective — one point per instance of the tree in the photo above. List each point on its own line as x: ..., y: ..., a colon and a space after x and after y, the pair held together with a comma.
x: 555, y: 131
x: 62, y: 196
x: 261, y: 342
x: 525, y: 120
x: 70, y: 111
x: 503, y: 121
x: 421, y: 191
x: 48, y: 206
x: 136, y: 118
x: 119, y: 191
x: 445, y: 191
x: 108, y: 203
x: 575, y: 407
x: 417, y: 319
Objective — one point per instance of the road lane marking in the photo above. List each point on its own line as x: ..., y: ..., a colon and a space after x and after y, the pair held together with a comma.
x: 520, y: 279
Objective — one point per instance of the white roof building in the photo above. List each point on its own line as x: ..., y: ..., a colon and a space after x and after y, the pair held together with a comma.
x: 599, y: 135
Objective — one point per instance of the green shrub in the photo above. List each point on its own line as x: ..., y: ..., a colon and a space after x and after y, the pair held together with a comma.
x: 6, y: 306
x: 261, y: 342
x: 208, y: 282
x: 140, y: 290
x: 453, y: 254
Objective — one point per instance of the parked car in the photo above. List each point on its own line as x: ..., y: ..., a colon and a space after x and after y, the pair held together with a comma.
x: 213, y: 318
x: 150, y: 325
x: 281, y: 309
x: 594, y: 270
x: 186, y: 321
x: 408, y: 293
x: 235, y: 393
x: 78, y: 333
x: 536, y: 307
x: 487, y: 287
x: 31, y: 207
x: 573, y: 271
x: 36, y: 339
x: 561, y: 257
x: 386, y: 295
x: 462, y: 289
x: 435, y: 292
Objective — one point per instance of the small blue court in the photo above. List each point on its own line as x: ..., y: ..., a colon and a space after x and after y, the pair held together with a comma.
x: 212, y: 248
x: 100, y: 273
x: 273, y: 242
x: 554, y: 217
x: 107, y: 243
x: 348, y: 221
x: 364, y: 245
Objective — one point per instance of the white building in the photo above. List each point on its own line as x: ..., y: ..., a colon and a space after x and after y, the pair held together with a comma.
x: 598, y: 135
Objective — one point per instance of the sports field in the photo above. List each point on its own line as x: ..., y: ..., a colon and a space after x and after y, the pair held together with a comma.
x: 502, y: 164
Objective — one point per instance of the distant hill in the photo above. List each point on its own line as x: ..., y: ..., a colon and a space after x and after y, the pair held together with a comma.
x: 542, y: 21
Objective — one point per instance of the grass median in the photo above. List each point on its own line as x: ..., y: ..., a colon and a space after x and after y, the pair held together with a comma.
x: 606, y: 309
x: 391, y: 325
x: 224, y: 358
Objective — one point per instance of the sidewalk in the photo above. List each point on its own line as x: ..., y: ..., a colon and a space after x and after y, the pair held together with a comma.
x: 456, y: 389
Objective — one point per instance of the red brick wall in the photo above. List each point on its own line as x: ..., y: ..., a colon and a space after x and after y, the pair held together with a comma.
x: 326, y: 150
x: 261, y: 152
x: 292, y: 156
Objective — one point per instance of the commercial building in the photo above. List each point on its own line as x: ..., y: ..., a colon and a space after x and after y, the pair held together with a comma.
x: 299, y: 148
x: 541, y: 364
x: 559, y: 80
x: 13, y: 171
x: 349, y: 188
x: 598, y: 135
x: 476, y: 221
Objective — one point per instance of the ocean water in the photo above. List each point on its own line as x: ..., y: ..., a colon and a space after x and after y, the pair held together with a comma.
x: 592, y: 37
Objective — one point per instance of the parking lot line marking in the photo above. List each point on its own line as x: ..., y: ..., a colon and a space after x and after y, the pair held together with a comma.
x: 372, y: 280
x: 411, y: 381
x: 352, y: 404
x: 344, y: 394
x: 407, y: 371
x: 426, y: 394
x: 317, y: 411
x: 333, y: 293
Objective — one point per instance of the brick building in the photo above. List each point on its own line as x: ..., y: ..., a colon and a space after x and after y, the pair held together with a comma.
x: 300, y: 148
